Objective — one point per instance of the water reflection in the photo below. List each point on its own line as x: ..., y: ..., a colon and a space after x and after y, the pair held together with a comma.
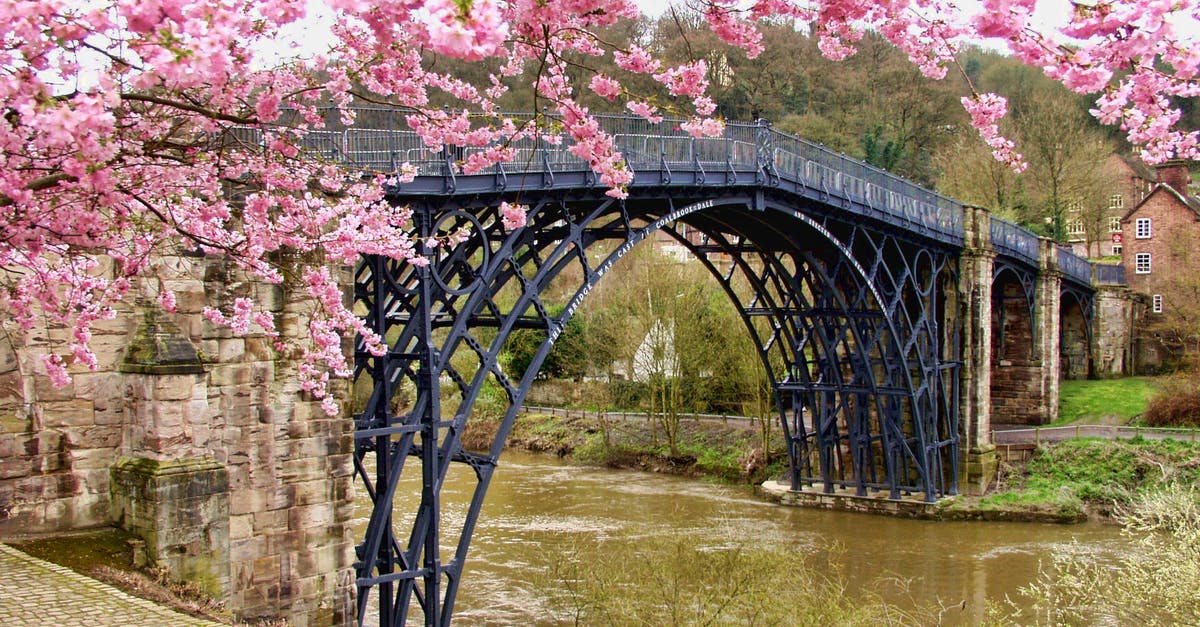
x: 538, y: 507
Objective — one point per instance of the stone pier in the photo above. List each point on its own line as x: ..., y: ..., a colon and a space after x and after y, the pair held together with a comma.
x: 195, y: 439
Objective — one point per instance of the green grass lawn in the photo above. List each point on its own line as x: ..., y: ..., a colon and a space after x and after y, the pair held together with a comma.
x: 1106, y: 401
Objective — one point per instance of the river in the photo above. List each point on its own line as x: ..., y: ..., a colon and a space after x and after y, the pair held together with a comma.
x: 540, y: 508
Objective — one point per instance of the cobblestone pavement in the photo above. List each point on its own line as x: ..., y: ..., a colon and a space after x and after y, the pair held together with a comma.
x: 36, y: 592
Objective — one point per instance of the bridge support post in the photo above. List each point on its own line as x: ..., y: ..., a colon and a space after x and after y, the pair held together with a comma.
x: 165, y: 488
x: 1047, y: 329
x: 979, y: 463
x: 1112, y: 331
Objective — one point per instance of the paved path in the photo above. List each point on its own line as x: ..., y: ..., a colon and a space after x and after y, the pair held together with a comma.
x: 1006, y: 434
x: 36, y: 592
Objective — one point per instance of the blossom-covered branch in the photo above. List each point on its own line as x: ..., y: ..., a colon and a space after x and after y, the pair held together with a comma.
x: 127, y: 124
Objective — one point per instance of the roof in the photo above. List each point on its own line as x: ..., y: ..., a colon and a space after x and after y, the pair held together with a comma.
x: 1139, y: 167
x: 1191, y: 202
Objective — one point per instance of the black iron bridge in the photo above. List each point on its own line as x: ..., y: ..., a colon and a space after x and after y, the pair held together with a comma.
x: 861, y: 291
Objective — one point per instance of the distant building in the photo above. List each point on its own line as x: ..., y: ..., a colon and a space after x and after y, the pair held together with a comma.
x: 1161, y: 261
x: 1130, y: 182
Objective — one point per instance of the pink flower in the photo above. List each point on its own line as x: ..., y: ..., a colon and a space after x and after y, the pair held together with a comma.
x: 513, y: 216
x: 605, y: 86
x: 689, y: 79
x: 645, y: 110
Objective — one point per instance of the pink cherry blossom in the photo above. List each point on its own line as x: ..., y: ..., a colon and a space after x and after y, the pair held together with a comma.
x: 127, y: 122
x: 512, y: 215
x: 605, y: 86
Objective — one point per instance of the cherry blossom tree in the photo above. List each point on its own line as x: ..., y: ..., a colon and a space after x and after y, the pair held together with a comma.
x: 133, y: 127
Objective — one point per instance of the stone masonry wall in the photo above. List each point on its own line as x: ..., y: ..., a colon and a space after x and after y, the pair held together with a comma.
x: 1113, y: 331
x: 289, y: 466
x: 1016, y: 390
x: 57, y: 444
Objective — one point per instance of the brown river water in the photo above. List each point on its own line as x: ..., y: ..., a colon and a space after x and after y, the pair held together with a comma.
x: 538, y: 507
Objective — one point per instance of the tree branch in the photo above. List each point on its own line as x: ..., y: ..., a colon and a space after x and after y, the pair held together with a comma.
x: 166, y: 102
x: 39, y: 184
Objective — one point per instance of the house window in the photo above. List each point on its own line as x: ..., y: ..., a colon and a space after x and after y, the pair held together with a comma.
x: 1158, y: 303
x: 1117, y: 248
x: 1115, y: 201
x: 1114, y: 224
x: 1075, y: 227
x: 1142, y: 228
x: 1141, y: 263
x: 1074, y: 206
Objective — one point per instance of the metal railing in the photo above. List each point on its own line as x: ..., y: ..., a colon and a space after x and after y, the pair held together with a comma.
x: 1038, y: 435
x: 380, y: 141
x: 611, y: 415
x: 1074, y: 266
x: 1109, y: 274
x: 1015, y: 240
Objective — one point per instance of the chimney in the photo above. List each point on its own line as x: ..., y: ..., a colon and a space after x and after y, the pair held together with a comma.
x: 1176, y: 175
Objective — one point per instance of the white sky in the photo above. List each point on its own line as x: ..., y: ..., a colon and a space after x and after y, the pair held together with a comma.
x: 304, y: 39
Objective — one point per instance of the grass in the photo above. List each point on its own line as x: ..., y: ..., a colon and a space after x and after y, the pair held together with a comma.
x: 1104, y: 401
x: 1066, y: 476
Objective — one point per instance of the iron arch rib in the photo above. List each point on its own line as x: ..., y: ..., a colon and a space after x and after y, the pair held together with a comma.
x: 836, y: 334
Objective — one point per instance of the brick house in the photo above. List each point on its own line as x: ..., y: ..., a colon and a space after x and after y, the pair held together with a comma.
x: 1161, y: 261
x: 1131, y: 181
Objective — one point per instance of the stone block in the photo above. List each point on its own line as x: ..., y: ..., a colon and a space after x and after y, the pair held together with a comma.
x: 978, y: 470
x: 233, y: 375
x: 280, y: 496
x: 241, y: 527
x: 266, y: 569
x: 181, y: 509
x: 93, y: 458
x: 270, y: 520
x: 247, y: 502
x: 312, y: 492
x: 12, y: 422
x: 247, y: 550
x: 303, y: 469
x: 14, y: 467
x: 12, y: 386
x: 231, y: 350
x: 306, y: 516
x: 286, y: 542
x: 260, y: 349
x: 176, y: 387
x: 67, y: 413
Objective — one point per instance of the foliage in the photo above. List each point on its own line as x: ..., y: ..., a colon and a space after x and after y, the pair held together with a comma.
x: 568, y: 358
x: 1065, y: 150
x: 1177, y: 406
x: 695, y: 584
x: 1100, y: 401
x: 1155, y: 582
x: 152, y: 130
x: 880, y: 151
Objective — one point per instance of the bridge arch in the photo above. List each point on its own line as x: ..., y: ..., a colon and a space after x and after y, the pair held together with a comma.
x: 851, y: 344
x: 1076, y: 341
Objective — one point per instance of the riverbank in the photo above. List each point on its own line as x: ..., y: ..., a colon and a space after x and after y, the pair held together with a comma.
x: 1063, y: 482
x: 727, y: 451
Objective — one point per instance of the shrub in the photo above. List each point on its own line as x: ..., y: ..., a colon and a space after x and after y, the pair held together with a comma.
x: 1177, y: 406
x: 1155, y: 581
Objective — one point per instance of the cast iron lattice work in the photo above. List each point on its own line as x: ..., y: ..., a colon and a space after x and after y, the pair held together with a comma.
x: 850, y: 271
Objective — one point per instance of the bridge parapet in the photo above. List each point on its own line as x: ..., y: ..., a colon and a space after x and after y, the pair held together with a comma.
x: 1074, y: 267
x: 379, y: 141
x: 1109, y: 274
x: 1015, y: 241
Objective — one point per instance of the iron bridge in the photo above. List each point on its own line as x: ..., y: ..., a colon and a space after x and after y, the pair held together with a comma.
x: 844, y: 275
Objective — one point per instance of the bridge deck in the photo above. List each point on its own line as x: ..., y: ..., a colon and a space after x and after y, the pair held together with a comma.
x: 747, y: 155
